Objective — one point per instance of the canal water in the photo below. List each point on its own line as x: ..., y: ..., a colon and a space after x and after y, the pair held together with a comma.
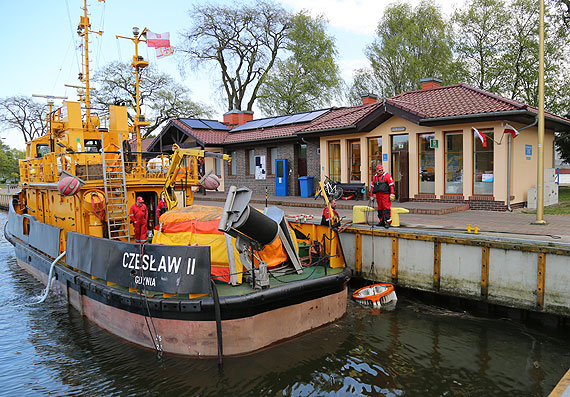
x: 415, y: 349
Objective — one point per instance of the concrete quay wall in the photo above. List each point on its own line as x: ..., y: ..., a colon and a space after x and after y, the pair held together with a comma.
x: 522, y: 274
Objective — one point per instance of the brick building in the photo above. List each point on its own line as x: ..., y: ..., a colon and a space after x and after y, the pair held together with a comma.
x: 440, y: 143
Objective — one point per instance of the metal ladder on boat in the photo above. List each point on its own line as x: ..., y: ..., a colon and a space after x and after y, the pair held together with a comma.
x: 115, y: 193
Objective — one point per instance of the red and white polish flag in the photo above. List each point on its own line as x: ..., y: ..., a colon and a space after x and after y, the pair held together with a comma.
x: 511, y: 130
x: 481, y: 136
x: 157, y: 39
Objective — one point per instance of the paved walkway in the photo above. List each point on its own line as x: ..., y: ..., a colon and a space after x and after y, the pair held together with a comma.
x: 434, y: 217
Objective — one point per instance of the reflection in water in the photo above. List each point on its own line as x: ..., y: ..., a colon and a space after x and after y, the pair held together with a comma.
x: 416, y: 349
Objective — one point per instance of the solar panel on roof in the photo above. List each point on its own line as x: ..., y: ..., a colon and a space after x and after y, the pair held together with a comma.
x: 215, y: 125
x: 193, y: 123
x: 280, y: 120
x: 312, y: 115
x: 250, y: 125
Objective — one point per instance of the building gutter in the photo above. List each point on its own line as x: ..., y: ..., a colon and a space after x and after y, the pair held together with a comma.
x: 475, y: 115
x: 346, y: 127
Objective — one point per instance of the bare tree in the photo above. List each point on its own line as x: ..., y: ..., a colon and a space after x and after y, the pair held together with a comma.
x: 23, y: 114
x: 242, y: 41
x: 164, y: 97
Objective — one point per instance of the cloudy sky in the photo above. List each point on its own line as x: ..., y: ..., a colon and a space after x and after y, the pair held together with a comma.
x: 40, y: 55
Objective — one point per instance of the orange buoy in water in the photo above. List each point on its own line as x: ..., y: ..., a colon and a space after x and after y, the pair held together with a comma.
x: 68, y: 186
x: 375, y: 295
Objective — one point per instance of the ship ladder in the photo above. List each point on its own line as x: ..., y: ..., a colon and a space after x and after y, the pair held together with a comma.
x: 115, y: 193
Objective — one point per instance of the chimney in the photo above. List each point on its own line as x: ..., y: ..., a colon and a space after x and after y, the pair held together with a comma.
x: 430, y: 82
x: 235, y: 118
x: 369, y: 98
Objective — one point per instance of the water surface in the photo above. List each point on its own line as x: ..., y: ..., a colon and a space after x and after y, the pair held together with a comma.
x: 415, y: 349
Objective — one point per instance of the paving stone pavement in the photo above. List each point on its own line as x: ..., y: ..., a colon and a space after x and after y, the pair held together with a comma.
x: 514, y: 224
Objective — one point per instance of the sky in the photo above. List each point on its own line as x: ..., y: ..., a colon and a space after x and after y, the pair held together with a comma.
x: 40, y: 55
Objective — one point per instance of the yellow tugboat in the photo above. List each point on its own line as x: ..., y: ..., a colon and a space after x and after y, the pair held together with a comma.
x: 213, y: 281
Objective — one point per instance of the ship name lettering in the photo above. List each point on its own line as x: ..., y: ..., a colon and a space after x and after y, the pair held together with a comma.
x: 146, y: 281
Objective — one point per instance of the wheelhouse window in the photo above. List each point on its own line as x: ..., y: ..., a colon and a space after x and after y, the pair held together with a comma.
x: 250, y: 162
x: 426, y: 162
x: 92, y: 145
x: 454, y: 163
x: 483, y: 165
x: 374, y: 155
x: 354, y: 154
x: 41, y: 150
x: 334, y: 160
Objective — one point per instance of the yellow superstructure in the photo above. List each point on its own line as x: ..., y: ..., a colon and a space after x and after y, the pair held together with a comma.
x: 94, y: 146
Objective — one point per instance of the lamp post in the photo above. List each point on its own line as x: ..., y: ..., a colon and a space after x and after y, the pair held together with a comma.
x: 540, y: 172
x: 138, y: 63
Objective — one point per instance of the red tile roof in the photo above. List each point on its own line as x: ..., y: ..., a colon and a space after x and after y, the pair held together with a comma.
x: 453, y: 100
x: 448, y: 101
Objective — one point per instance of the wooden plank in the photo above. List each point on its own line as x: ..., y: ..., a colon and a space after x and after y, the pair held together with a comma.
x: 395, y: 256
x: 540, y: 280
x: 358, y: 264
x: 485, y: 272
x: 436, y: 265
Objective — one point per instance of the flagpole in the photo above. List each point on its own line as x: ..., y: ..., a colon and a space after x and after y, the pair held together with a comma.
x: 540, y: 172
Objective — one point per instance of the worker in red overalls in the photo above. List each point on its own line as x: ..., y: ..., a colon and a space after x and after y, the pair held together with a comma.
x: 138, y: 215
x: 383, y: 187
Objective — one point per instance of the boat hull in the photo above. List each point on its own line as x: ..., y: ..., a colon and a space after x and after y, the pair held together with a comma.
x: 187, y: 326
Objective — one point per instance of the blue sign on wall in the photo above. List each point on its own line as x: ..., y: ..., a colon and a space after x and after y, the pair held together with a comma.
x: 385, y: 157
x: 528, y: 151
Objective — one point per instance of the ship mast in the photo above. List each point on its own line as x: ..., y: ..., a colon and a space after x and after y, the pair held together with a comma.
x: 83, y: 30
x: 138, y: 64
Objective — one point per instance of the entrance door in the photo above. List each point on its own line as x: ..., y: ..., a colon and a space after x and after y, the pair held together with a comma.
x: 400, y: 167
x: 281, y: 177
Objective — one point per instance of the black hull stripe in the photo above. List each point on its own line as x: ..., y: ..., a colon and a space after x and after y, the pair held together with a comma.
x: 201, y: 309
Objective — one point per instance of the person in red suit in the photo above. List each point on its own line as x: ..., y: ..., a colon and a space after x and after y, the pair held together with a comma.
x: 325, y: 219
x: 383, y: 188
x: 138, y: 215
x: 162, y: 207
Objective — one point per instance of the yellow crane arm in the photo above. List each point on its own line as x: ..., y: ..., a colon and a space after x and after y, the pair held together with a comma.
x: 193, y: 179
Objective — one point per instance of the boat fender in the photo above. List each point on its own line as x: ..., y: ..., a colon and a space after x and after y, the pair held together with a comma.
x: 68, y: 186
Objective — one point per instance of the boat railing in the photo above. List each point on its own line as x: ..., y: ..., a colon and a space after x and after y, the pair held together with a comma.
x: 88, y: 166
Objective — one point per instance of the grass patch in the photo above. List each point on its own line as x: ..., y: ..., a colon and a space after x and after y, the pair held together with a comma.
x: 563, y: 206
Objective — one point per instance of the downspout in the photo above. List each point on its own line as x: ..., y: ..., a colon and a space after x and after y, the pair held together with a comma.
x: 509, y: 164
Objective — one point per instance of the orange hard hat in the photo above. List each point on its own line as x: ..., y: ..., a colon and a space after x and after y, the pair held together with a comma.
x: 140, y: 199
x: 379, y: 167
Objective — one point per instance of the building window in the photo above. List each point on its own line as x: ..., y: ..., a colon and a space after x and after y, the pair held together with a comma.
x: 271, y: 157
x: 233, y: 163
x: 374, y: 155
x: 454, y: 163
x: 426, y: 162
x: 354, y: 161
x: 483, y: 177
x: 334, y: 160
x: 218, y: 166
x: 250, y: 162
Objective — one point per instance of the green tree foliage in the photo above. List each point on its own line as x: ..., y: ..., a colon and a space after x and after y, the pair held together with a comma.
x: 23, y: 114
x: 163, y: 97
x: 482, y: 43
x: 243, y: 41
x: 498, y: 43
x: 411, y: 44
x: 310, y: 77
x: 9, y: 166
x: 363, y: 82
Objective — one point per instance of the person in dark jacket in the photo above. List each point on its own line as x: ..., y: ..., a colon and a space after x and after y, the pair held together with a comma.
x: 382, y: 188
